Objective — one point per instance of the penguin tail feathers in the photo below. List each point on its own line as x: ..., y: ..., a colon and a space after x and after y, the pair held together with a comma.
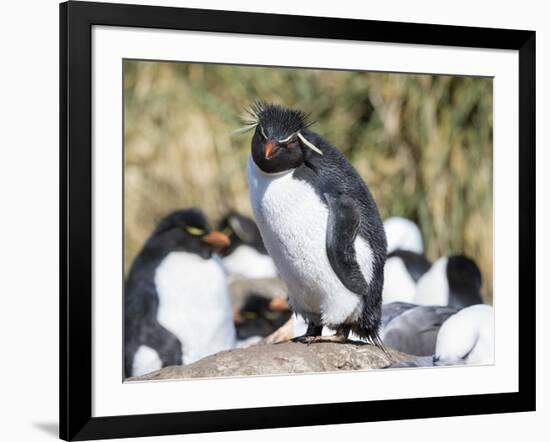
x: 372, y: 337
x: 377, y: 341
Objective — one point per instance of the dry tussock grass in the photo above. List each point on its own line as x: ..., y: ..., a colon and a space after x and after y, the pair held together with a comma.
x: 423, y: 144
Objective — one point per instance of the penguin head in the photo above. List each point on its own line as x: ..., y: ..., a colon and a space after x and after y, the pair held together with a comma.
x: 463, y: 272
x: 278, y: 143
x: 240, y: 230
x: 188, y: 230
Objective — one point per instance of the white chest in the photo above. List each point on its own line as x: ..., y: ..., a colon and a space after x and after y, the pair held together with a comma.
x: 293, y: 222
x: 247, y: 262
x: 194, y: 304
x: 433, y: 287
x: 398, y: 283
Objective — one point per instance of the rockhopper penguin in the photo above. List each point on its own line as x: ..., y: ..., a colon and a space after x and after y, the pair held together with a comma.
x: 319, y: 223
x: 177, y: 307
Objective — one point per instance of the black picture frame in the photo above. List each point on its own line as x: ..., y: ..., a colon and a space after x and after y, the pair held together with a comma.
x: 76, y: 21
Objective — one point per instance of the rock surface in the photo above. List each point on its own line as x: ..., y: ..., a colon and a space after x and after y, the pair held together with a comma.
x: 283, y: 358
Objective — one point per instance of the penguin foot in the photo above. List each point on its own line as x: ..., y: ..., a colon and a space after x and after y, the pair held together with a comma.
x: 306, y: 339
x: 339, y: 339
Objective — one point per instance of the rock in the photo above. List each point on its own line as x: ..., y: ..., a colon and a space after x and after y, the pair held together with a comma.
x: 421, y: 361
x: 283, y: 333
x: 283, y: 358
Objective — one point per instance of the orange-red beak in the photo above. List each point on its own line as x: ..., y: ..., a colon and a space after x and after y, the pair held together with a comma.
x: 270, y: 149
x: 216, y: 239
x: 237, y: 318
x: 279, y: 305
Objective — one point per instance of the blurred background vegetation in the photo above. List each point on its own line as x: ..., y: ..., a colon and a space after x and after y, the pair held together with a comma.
x: 423, y: 144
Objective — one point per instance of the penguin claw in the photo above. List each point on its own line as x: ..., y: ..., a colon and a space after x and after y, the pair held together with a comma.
x: 339, y: 339
x: 305, y: 339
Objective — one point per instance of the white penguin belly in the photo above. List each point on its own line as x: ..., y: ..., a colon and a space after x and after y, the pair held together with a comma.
x: 293, y: 222
x: 194, y: 304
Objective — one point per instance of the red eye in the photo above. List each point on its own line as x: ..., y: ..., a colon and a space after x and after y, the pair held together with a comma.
x: 292, y: 145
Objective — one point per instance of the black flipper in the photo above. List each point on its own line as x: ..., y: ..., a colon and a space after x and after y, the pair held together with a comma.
x: 344, y: 222
x: 155, y: 336
x: 141, y: 326
x: 166, y: 344
x: 344, y: 219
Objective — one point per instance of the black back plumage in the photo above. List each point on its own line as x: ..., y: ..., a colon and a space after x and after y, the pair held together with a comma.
x: 333, y: 177
x: 464, y: 279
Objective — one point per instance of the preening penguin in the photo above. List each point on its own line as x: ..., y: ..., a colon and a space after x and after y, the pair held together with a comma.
x: 246, y: 256
x: 319, y: 223
x: 467, y: 337
x: 176, y: 299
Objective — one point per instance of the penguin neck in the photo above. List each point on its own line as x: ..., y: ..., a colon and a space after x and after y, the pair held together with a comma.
x: 273, y: 175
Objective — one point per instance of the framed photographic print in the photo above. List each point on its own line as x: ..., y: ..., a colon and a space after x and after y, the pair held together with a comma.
x: 255, y: 206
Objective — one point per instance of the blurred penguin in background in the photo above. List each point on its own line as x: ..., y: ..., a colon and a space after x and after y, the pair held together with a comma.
x: 402, y: 272
x: 403, y: 234
x: 453, y: 280
x: 260, y: 316
x: 246, y: 256
x: 466, y: 337
x: 413, y: 329
x: 177, y: 307
x: 405, y: 263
